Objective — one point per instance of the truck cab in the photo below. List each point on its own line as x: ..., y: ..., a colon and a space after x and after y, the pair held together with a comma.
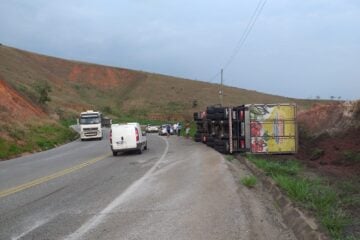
x: 90, y: 125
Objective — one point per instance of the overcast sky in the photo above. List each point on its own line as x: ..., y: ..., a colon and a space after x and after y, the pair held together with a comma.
x: 297, y: 48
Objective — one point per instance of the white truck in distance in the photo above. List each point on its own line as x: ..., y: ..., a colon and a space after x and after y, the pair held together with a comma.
x: 127, y: 137
x: 90, y: 125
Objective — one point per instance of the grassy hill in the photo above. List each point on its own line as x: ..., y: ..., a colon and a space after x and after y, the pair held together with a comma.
x: 120, y: 93
x: 78, y: 86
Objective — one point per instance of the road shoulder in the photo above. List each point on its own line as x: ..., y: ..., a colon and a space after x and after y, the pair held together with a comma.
x: 302, y: 224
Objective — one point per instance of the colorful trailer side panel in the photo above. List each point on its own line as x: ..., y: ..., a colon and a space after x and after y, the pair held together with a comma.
x: 273, y: 128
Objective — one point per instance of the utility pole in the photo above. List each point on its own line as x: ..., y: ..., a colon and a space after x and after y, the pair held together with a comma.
x: 221, y: 89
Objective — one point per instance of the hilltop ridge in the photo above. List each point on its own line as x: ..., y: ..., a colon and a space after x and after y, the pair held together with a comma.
x: 77, y: 86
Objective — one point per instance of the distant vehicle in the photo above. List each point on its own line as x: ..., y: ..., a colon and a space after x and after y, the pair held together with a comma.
x: 127, y: 137
x: 106, y: 122
x: 152, y: 128
x: 90, y: 125
x: 163, y: 129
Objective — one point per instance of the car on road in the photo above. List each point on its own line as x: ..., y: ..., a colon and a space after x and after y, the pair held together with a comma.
x: 163, y: 129
x: 127, y: 137
x: 152, y: 129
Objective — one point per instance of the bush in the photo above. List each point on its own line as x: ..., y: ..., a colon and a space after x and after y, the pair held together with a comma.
x: 43, y: 89
x: 249, y: 181
x: 351, y: 156
x: 317, y: 153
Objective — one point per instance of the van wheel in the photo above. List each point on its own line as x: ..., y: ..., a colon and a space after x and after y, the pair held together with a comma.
x: 139, y: 151
x: 114, y: 153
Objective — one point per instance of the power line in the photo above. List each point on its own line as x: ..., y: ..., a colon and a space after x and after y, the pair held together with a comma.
x: 243, y: 37
x: 214, y: 77
x: 246, y: 33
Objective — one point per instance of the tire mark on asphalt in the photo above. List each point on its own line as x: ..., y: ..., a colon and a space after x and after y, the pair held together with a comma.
x: 32, y: 228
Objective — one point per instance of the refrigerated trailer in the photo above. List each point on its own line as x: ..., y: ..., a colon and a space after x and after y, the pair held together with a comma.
x: 255, y: 128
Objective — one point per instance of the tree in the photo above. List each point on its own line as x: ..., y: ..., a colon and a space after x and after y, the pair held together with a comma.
x: 332, y: 97
x: 43, y: 89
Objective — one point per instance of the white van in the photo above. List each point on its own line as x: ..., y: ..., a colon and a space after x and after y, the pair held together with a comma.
x: 127, y: 137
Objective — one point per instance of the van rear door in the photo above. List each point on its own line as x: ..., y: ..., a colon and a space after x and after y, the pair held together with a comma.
x: 124, y: 137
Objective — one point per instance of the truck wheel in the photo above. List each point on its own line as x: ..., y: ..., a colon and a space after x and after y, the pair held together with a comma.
x: 221, y: 149
x: 197, y: 137
x: 114, y: 153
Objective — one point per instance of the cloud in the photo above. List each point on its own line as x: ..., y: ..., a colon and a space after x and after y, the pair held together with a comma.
x: 311, y: 44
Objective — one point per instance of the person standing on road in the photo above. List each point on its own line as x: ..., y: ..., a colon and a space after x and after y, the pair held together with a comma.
x: 168, y: 130
x: 187, y: 129
x: 175, y: 127
x: 178, y: 129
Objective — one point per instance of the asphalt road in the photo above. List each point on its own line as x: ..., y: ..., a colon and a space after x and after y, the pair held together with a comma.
x: 177, y: 189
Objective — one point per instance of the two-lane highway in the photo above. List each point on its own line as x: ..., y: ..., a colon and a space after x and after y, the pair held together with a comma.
x: 52, y: 192
x: 177, y: 189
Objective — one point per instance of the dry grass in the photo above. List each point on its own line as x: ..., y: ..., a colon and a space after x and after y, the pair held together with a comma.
x: 77, y: 86
x: 357, y: 110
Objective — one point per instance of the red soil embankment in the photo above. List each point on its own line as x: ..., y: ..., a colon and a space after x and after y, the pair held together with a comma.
x: 329, y: 138
x: 14, y: 105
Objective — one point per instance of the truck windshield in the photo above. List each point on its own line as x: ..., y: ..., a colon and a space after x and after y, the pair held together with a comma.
x: 91, y: 119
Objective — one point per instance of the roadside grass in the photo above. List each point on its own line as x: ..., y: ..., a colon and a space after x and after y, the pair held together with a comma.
x: 192, y: 129
x: 249, y: 181
x: 49, y: 136
x: 8, y: 149
x: 229, y: 157
x: 332, y: 203
x: 68, y: 122
x: 291, y: 167
x: 35, y: 138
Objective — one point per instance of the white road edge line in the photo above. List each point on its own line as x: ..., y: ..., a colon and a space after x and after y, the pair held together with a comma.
x: 98, y: 218
x: 32, y: 228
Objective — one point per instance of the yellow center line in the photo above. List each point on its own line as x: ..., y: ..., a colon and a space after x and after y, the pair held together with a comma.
x: 38, y: 181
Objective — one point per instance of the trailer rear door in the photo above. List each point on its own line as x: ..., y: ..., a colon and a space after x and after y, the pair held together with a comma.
x: 272, y: 128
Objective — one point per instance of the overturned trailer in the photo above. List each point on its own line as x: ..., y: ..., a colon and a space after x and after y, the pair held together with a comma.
x: 255, y: 128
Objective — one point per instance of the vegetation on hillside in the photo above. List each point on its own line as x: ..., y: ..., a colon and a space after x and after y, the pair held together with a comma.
x: 34, y: 137
x: 74, y: 86
x: 64, y: 88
